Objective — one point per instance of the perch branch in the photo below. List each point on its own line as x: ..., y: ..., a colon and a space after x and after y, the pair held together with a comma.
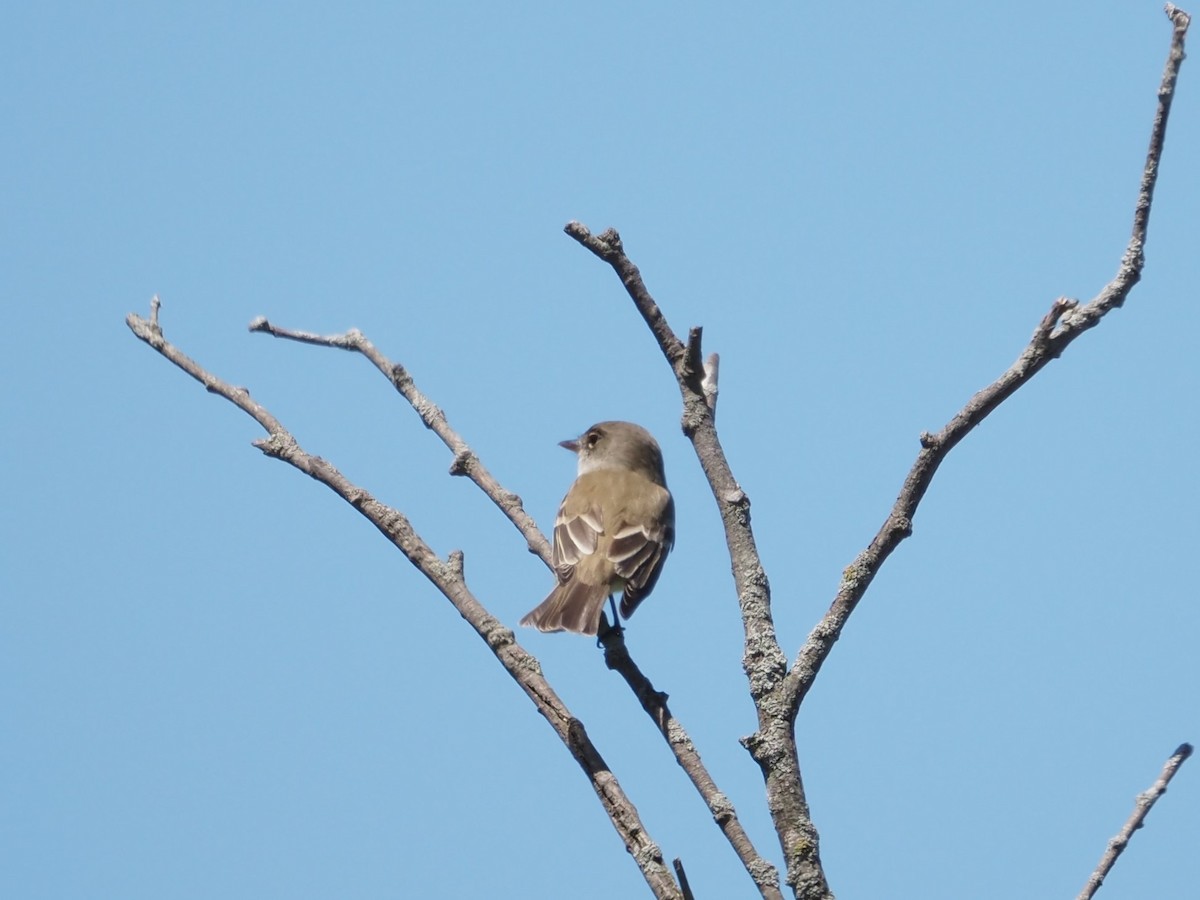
x: 1145, y: 802
x: 617, y: 656
x: 773, y: 746
x: 447, y: 577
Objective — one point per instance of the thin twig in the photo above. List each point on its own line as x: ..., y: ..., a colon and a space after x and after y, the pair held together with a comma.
x: 466, y: 462
x: 1066, y: 320
x: 683, y: 880
x: 447, y: 577
x: 1145, y: 802
x: 617, y: 656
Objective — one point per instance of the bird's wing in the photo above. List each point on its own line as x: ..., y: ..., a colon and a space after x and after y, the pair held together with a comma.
x: 639, y: 551
x: 575, y: 536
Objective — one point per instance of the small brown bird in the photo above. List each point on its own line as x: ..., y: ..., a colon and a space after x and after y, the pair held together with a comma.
x: 613, y: 531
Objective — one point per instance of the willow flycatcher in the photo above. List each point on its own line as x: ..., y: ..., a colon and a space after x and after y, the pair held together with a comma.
x: 613, y: 531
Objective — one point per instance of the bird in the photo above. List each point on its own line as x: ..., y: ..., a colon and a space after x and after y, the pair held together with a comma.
x: 613, y: 531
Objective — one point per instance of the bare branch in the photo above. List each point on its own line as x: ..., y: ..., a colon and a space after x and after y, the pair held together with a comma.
x: 773, y: 746
x: 1145, y: 802
x: 466, y: 462
x: 1066, y: 320
x: 683, y: 881
x: 764, y: 661
x: 617, y: 655
x: 617, y: 658
x: 777, y: 691
x: 1130, y: 270
x: 607, y: 246
x: 447, y: 577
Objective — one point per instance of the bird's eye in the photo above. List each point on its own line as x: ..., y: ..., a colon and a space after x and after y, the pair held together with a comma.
x: 593, y: 438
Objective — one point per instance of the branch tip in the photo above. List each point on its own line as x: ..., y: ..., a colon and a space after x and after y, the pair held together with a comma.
x: 1142, y: 805
x: 683, y: 880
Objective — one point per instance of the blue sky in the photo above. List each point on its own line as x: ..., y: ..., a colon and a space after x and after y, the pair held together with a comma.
x: 218, y: 681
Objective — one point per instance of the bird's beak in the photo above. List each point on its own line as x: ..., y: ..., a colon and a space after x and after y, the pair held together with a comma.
x: 573, y: 446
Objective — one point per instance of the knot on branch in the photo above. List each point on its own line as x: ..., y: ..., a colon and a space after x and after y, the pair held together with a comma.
x: 498, y: 636
x: 463, y: 460
x: 612, y: 240
x: 648, y: 852
x: 752, y: 742
x: 1045, y: 328
x: 358, y: 498
x: 277, y: 445
x: 694, y: 415
x: 400, y: 377
x: 148, y: 330
x: 764, y: 749
x: 722, y: 809
x: 928, y: 441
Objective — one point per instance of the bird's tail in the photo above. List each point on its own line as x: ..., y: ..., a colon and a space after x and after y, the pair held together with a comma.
x: 574, y: 606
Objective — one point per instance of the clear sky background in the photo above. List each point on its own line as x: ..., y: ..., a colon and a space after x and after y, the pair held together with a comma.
x: 216, y: 680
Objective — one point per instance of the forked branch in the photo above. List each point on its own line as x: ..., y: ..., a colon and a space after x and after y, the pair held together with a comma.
x: 773, y: 746
x: 617, y: 656
x: 1066, y: 320
x: 447, y: 576
x: 776, y: 689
